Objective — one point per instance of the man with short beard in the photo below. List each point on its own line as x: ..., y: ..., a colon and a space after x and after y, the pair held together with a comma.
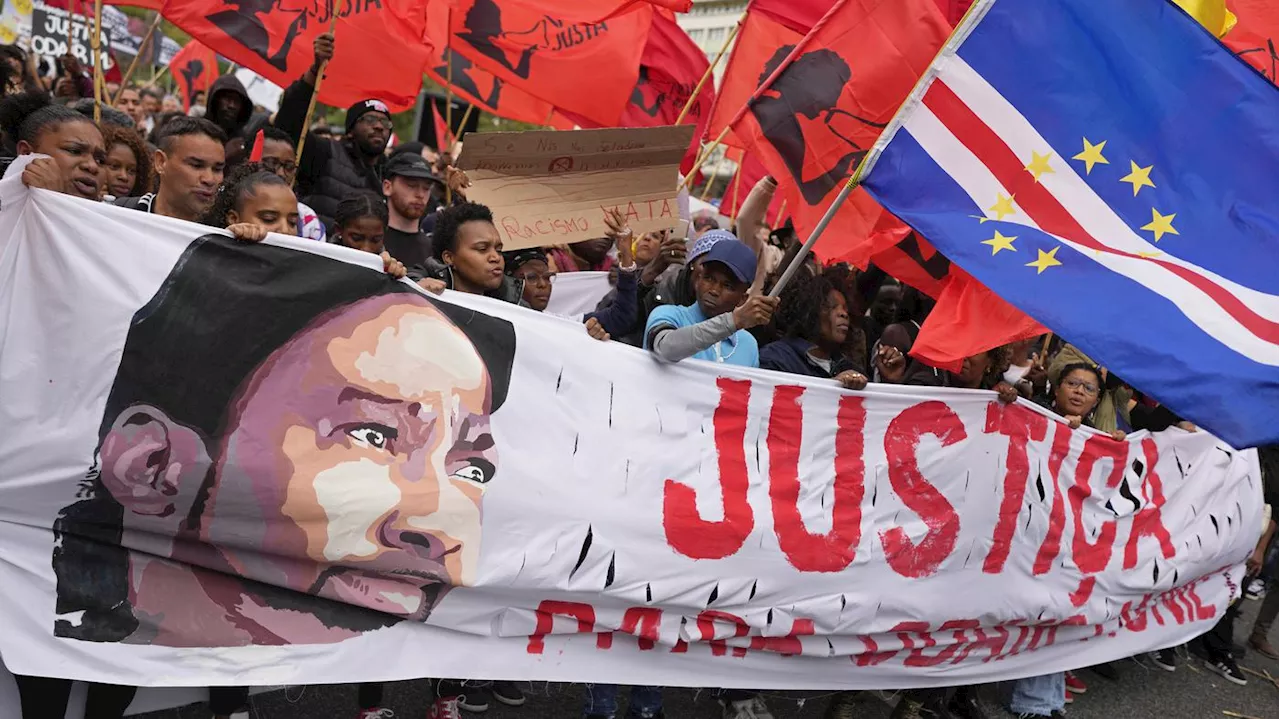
x: 407, y: 186
x: 332, y: 170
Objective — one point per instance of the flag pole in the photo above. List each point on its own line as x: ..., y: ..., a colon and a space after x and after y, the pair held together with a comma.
x: 448, y: 92
x: 98, y: 86
x: 813, y: 236
x: 311, y: 108
x: 142, y: 49
x: 462, y: 125
x: 702, y: 157
x: 693, y: 97
x: 737, y: 181
x: 707, y: 190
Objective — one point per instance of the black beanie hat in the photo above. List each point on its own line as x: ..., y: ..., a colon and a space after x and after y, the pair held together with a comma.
x: 364, y: 107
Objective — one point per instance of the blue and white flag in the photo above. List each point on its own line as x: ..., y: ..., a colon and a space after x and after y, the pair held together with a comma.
x: 1110, y: 169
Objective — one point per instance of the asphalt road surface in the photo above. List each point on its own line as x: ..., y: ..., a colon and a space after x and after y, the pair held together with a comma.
x: 1142, y: 690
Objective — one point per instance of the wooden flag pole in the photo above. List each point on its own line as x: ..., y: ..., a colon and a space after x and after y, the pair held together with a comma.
x: 813, y: 236
x: 142, y: 49
x: 98, y: 85
x: 448, y: 92
x: 155, y: 77
x: 737, y: 181
x: 702, y: 157
x: 315, y: 95
x: 707, y: 190
x: 693, y: 97
x: 1044, y: 349
x: 462, y: 126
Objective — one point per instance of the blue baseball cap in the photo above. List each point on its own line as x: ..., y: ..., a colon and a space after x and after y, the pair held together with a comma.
x: 739, y: 258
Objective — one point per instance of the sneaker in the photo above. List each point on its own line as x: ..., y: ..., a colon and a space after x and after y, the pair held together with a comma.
x: 1259, y: 644
x: 445, y: 708
x: 1075, y: 684
x: 476, y: 700
x: 1228, y: 669
x: 1166, y: 659
x: 1055, y: 714
x: 753, y: 708
x: 509, y: 693
x: 376, y: 714
x: 1255, y: 590
x: 1069, y: 698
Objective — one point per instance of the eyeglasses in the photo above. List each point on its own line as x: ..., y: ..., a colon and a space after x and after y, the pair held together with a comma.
x: 375, y: 121
x: 274, y: 165
x: 1088, y: 387
x: 538, y: 278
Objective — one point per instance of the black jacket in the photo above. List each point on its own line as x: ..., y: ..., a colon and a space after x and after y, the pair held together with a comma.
x: 791, y: 354
x: 230, y: 84
x: 331, y: 170
x: 511, y: 290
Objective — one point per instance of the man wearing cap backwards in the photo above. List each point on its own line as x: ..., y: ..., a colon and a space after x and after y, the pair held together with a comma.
x: 715, y: 326
x: 407, y: 182
x: 332, y: 170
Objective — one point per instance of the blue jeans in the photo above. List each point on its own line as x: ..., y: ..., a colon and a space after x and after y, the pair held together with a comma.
x: 602, y: 699
x: 1039, y: 695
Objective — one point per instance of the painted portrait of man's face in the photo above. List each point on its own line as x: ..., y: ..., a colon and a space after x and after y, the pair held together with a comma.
x: 346, y: 479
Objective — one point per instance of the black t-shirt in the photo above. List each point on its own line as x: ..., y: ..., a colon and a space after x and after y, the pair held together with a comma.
x: 411, y: 248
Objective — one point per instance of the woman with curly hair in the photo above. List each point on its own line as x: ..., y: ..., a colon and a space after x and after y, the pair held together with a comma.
x: 127, y: 171
x: 812, y: 322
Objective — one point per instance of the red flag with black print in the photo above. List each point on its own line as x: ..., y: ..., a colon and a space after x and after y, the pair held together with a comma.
x: 380, y: 49
x: 597, y: 10
x: 826, y: 99
x: 588, y: 69
x: 670, y: 69
x: 194, y: 69
x: 1254, y: 38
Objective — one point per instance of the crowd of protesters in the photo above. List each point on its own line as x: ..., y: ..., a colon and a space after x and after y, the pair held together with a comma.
x: 231, y: 165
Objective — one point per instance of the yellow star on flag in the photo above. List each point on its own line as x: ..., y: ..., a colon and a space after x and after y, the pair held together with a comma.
x: 1039, y: 164
x: 1003, y: 206
x: 1092, y: 155
x: 1000, y: 242
x: 1045, y: 260
x: 1160, y: 224
x: 981, y: 218
x: 1149, y: 255
x: 1139, y: 177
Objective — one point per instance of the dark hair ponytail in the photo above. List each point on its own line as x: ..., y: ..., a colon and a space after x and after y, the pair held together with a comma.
x: 239, y: 185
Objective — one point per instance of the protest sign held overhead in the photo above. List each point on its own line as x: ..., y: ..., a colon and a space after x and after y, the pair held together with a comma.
x: 50, y: 32
x: 525, y: 511
x: 380, y: 54
x: 553, y: 188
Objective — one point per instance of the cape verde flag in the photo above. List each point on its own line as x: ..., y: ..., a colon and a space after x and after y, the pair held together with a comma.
x: 1109, y: 168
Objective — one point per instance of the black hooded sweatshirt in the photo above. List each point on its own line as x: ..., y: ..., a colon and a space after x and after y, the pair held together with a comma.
x: 224, y: 84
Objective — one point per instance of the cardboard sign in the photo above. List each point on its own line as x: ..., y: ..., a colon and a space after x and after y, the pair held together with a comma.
x: 49, y: 35
x: 553, y: 187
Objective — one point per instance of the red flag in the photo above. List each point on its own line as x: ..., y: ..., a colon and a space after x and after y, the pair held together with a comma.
x: 194, y: 69
x: 591, y: 11
x: 255, y: 155
x: 969, y: 319
x: 473, y: 84
x: 954, y: 10
x: 767, y: 26
x: 1253, y: 38
x: 827, y: 98
x: 378, y: 54
x: 444, y: 138
x: 750, y: 171
x: 670, y: 68
x: 156, y: 5
x: 585, y: 69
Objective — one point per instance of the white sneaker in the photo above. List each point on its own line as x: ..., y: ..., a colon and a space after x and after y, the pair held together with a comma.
x: 376, y: 714
x: 1255, y: 589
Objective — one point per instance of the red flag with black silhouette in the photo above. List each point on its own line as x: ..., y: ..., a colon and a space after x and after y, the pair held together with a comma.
x: 821, y: 102
x: 670, y: 69
x: 597, y: 10
x: 473, y: 84
x: 766, y: 26
x: 194, y: 69
x: 379, y: 53
x: 1254, y: 38
x: 588, y: 69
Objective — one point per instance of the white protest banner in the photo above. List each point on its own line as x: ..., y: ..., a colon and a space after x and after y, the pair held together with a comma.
x: 232, y: 463
x: 553, y: 187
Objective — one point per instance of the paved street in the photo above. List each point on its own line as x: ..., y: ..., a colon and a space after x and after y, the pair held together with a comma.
x: 1143, y: 690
